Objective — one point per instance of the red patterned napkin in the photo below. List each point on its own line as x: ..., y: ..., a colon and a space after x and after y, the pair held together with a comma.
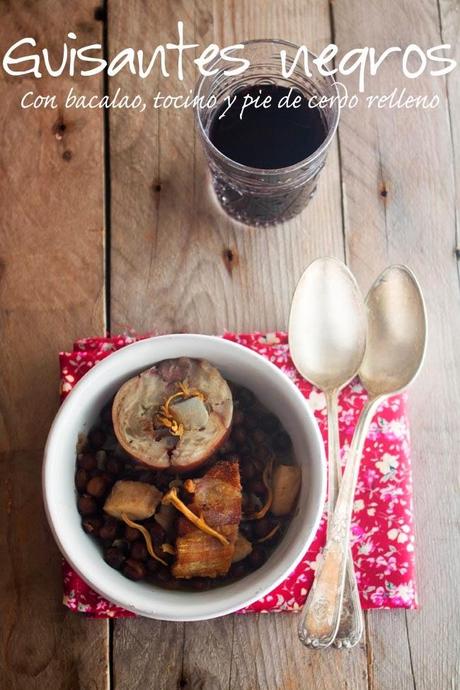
x: 382, y: 526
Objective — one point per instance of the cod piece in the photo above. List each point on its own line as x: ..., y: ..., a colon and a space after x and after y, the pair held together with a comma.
x: 286, y: 485
x: 137, y: 500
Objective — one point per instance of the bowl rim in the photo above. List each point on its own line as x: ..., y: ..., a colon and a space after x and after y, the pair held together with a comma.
x: 100, y: 369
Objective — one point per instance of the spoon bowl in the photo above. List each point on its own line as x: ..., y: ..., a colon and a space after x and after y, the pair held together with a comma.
x: 327, y: 325
x: 396, y: 332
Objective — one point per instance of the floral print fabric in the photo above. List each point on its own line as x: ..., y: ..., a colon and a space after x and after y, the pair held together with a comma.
x: 382, y: 524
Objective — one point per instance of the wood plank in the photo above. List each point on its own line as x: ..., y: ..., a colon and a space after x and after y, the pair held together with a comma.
x: 207, y: 656
x: 388, y: 650
x: 400, y: 207
x: 147, y: 654
x: 170, y: 272
x: 145, y: 263
x: 169, y: 245
x: 450, y: 31
x: 42, y: 644
x: 268, y: 655
x: 51, y: 290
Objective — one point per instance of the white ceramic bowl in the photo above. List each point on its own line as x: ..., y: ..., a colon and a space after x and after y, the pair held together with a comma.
x: 79, y: 412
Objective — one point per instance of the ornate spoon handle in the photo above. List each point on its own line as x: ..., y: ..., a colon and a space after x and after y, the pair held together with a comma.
x: 351, y: 624
x: 321, y: 614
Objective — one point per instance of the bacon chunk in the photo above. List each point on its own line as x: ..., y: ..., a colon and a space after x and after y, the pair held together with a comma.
x: 217, y: 498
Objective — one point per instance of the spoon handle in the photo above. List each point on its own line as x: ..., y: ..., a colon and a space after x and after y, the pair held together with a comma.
x: 333, y: 453
x: 351, y: 623
x: 321, y: 614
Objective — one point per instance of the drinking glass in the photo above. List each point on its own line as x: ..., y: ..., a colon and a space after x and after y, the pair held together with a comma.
x: 261, y: 196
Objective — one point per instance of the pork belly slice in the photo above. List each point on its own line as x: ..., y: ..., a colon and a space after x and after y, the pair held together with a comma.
x: 217, y: 498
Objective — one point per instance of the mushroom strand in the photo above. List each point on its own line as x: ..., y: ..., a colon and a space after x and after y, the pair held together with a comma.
x: 146, y: 535
x: 172, y: 497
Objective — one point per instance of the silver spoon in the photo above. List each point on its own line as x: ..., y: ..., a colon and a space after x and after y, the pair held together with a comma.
x: 394, y: 354
x: 327, y: 338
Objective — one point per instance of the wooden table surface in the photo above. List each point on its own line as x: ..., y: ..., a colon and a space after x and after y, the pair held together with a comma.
x: 107, y: 222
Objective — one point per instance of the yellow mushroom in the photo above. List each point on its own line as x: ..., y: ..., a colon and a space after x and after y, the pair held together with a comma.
x: 172, y: 497
x: 146, y: 535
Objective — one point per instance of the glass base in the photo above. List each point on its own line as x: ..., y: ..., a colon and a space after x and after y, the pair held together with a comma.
x: 263, y: 210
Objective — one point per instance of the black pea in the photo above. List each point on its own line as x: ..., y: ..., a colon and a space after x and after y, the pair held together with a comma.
x: 238, y: 570
x: 109, y: 479
x: 161, y: 480
x: 114, y: 465
x: 246, y: 503
x: 96, y: 438
x: 251, y: 422
x: 200, y: 584
x: 247, y: 470
x: 106, y: 414
x: 87, y: 461
x: 157, y: 533
x: 238, y: 417
x: 138, y: 551
x: 152, y: 565
x: 146, y: 477
x: 256, y: 557
x: 109, y: 529
x: 259, y: 436
x: 131, y: 534
x: 122, y: 545
x: 163, y: 574
x: 246, y: 528
x: 257, y: 487
x: 135, y: 570
x: 101, y: 458
x: 282, y: 442
x: 239, y: 435
x: 86, y: 505
x: 262, y: 527
x: 97, y: 487
x: 261, y: 453
x: 81, y: 478
x: 114, y: 557
x: 227, y: 447
x: 245, y: 397
x: 92, y: 525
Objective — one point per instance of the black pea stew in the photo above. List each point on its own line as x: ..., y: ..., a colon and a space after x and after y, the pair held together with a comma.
x: 186, y: 481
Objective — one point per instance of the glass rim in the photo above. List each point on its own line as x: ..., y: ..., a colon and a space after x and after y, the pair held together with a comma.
x: 268, y: 171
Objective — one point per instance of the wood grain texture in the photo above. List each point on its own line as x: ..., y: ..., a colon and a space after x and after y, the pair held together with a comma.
x: 51, y: 290
x: 170, y: 242
x: 398, y: 178
x: 449, y: 17
x: 267, y: 655
x: 171, y: 272
x: 147, y: 655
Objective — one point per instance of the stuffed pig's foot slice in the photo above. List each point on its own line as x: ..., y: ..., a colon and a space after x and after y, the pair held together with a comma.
x: 217, y: 500
x: 174, y: 415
